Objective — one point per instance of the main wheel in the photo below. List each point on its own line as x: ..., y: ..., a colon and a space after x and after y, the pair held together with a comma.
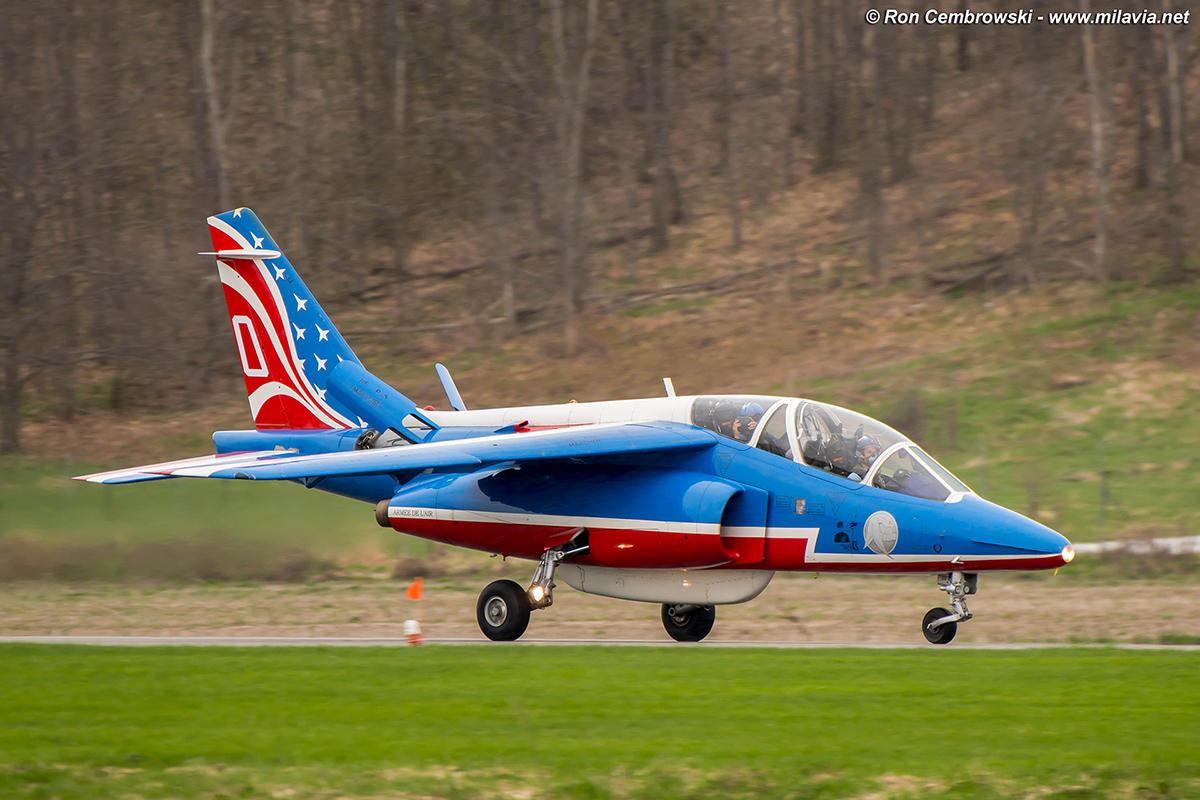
x: 503, y: 611
x: 943, y: 633
x: 691, y: 625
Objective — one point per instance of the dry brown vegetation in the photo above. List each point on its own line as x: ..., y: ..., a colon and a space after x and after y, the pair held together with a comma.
x: 437, y: 171
x: 793, y: 608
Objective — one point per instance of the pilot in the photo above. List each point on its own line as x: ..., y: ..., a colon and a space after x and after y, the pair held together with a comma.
x: 724, y: 417
x: 747, y: 420
x: 866, y: 450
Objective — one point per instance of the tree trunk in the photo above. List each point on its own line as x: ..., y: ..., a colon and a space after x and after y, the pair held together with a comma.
x: 659, y: 134
x: 729, y: 113
x: 870, y: 148
x: 500, y: 223
x: 573, y: 52
x: 787, y: 94
x: 1141, y: 102
x: 218, y: 117
x: 1099, y: 157
x: 1176, y: 271
x: 930, y: 59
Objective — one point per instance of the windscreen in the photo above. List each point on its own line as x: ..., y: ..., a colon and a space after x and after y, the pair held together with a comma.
x: 954, y: 483
x: 903, y: 473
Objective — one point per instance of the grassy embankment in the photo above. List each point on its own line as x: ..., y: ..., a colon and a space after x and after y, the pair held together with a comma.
x: 595, y: 722
x: 1031, y: 403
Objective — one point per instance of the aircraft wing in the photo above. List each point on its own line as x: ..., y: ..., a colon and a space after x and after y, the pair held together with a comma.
x: 579, y: 443
x: 157, y: 472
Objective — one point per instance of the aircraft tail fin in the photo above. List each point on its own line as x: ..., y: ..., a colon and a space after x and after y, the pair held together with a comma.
x: 286, y: 343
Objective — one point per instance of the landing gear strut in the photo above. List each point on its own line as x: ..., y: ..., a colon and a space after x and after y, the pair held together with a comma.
x: 504, y: 607
x: 940, y: 624
x: 688, y: 623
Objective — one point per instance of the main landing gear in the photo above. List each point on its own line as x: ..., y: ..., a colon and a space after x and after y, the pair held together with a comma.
x: 688, y: 623
x: 504, y: 607
x: 940, y: 624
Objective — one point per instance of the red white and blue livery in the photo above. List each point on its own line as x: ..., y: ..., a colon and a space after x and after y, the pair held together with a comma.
x: 688, y: 502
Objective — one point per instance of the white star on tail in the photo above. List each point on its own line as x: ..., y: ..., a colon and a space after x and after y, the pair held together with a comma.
x: 320, y: 393
x: 237, y: 212
x: 258, y: 240
x: 322, y: 334
x: 301, y: 362
x: 299, y: 331
x: 320, y: 362
x: 340, y: 359
x: 300, y: 304
x: 278, y: 272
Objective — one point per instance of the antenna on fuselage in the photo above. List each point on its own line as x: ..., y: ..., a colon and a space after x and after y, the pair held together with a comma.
x: 670, y: 387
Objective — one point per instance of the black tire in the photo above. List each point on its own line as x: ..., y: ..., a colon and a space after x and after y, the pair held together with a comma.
x: 944, y: 633
x: 690, y: 626
x: 503, y: 611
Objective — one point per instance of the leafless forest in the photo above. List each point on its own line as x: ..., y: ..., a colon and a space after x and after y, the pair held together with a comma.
x: 544, y: 131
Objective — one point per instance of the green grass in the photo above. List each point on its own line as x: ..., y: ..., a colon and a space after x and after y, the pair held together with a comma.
x: 577, y: 719
x: 1031, y: 417
x: 40, y: 500
x: 998, y: 411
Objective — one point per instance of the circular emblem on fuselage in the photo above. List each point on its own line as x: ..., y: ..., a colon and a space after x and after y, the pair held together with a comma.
x: 881, y: 532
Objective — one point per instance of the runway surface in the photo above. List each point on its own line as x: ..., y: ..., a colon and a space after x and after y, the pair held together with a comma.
x: 304, y: 641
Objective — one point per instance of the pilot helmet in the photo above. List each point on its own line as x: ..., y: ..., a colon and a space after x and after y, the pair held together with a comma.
x: 863, y: 443
x: 751, y: 410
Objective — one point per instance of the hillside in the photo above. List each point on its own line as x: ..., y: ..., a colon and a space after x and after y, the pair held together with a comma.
x: 984, y: 335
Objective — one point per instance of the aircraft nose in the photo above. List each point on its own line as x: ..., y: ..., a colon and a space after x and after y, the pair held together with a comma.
x: 996, y: 525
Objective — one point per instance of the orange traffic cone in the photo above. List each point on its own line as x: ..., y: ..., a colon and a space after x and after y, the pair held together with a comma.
x: 412, y: 630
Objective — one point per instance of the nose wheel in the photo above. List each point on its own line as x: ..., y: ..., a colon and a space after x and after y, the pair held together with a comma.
x: 941, y: 624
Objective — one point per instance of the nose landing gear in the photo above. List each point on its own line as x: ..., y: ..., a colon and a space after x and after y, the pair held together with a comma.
x: 941, y: 624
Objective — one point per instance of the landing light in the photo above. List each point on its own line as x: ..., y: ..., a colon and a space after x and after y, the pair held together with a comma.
x: 537, y: 593
x: 1068, y: 553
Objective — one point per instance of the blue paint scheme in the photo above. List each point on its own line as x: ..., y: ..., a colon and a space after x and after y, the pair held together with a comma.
x: 629, y: 474
x: 624, y: 442
x: 374, y: 401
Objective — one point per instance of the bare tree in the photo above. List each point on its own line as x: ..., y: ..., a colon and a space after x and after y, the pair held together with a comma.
x: 788, y: 93
x: 1098, y: 136
x: 1140, y: 67
x: 867, y: 48
x: 220, y: 96
x: 729, y: 115
x: 1174, y: 124
x: 574, y: 40
x: 24, y: 196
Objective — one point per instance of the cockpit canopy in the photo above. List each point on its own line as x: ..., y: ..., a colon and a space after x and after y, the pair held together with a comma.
x: 842, y: 442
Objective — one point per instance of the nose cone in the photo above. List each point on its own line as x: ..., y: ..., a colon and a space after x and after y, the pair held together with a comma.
x: 994, y: 526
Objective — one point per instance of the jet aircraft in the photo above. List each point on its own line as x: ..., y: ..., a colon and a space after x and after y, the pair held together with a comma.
x: 687, y: 502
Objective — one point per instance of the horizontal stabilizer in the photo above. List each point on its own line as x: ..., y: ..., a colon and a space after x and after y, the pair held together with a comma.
x: 156, y: 472
x: 235, y: 254
x: 576, y: 444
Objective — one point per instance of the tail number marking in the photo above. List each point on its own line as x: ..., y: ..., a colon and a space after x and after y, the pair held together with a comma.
x: 241, y: 327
